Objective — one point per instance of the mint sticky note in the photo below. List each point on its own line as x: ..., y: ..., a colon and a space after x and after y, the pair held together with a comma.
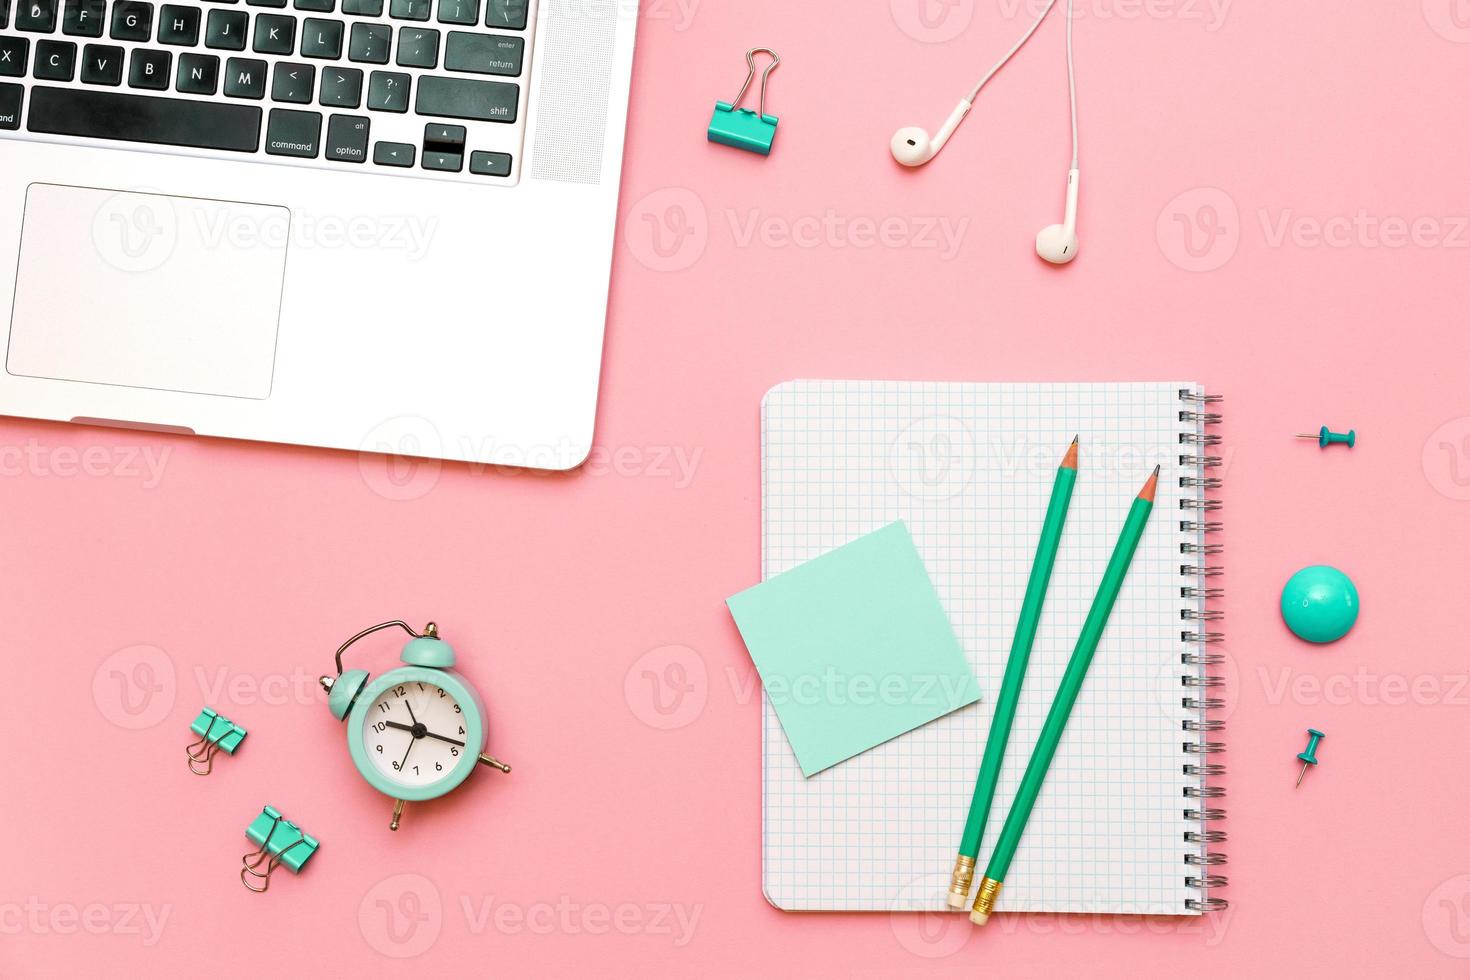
x: 853, y: 648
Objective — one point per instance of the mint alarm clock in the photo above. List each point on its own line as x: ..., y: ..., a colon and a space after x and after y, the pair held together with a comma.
x: 417, y: 731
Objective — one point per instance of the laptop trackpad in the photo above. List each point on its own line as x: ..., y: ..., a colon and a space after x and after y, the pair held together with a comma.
x: 148, y: 290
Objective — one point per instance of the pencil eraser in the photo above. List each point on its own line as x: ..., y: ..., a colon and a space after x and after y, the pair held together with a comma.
x: 979, y: 918
x: 956, y: 901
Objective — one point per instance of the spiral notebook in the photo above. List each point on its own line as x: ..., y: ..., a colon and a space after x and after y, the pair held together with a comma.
x: 1127, y: 814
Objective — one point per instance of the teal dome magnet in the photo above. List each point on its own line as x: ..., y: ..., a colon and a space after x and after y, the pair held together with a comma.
x: 1319, y: 604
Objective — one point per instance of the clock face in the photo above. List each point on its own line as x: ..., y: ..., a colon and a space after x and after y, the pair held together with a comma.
x: 414, y: 734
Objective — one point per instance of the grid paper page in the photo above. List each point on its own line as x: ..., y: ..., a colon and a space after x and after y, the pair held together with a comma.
x: 970, y: 468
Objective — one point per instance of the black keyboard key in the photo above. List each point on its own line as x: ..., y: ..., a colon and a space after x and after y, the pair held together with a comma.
x: 83, y: 18
x: 178, y: 25
x: 341, y: 87
x: 266, y: 3
x: 225, y: 30
x: 293, y: 133
x: 101, y: 65
x: 449, y: 162
x: 198, y: 74
x: 369, y: 43
x: 459, y: 11
x: 347, y: 138
x: 409, y: 9
x: 486, y: 54
x: 35, y: 15
x: 132, y: 21
x: 55, y: 61
x: 316, y: 6
x: 13, y: 51
x: 362, y: 8
x: 393, y: 154
x: 293, y: 82
x: 274, y: 34
x: 467, y: 98
x: 144, y: 119
x: 10, y: 99
x: 4, y: 14
x: 418, y: 47
x: 490, y: 164
x: 388, y: 91
x: 245, y: 78
x: 149, y: 69
x: 508, y: 15
x: 321, y: 38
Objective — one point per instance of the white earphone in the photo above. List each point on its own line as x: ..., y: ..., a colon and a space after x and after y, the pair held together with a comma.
x: 912, y: 146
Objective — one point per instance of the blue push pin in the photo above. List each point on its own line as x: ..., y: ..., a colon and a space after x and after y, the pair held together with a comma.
x: 1309, y: 754
x: 1326, y: 437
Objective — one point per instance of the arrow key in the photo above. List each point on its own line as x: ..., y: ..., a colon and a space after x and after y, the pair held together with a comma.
x: 341, y: 87
x: 387, y: 154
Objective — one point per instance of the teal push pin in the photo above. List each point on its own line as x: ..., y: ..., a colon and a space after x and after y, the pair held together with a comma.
x: 1326, y: 437
x: 1309, y: 754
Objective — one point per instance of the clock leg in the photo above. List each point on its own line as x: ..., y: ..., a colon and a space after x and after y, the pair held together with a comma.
x: 397, y: 813
x: 493, y: 763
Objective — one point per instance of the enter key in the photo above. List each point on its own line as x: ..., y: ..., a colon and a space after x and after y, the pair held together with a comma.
x: 484, y: 54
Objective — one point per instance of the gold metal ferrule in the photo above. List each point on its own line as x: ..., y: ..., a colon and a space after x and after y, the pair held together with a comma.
x: 960, y: 880
x: 984, y: 901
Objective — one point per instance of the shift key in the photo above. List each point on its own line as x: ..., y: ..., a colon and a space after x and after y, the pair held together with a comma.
x: 467, y: 98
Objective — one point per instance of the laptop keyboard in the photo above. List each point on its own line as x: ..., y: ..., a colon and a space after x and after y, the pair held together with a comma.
x: 433, y: 88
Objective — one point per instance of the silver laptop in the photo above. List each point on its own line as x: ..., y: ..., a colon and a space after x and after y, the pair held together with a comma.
x: 380, y: 225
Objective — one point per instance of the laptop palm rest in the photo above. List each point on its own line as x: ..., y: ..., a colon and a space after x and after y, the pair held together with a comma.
x: 148, y: 291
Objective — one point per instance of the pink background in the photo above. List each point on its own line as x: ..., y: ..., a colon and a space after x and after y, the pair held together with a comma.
x: 588, y: 607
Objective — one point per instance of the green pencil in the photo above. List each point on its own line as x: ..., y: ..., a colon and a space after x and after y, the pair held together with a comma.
x: 1010, y: 691
x: 1061, y: 708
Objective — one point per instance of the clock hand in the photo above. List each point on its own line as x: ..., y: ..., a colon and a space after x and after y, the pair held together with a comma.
x: 410, y: 711
x: 408, y: 728
x: 406, y: 751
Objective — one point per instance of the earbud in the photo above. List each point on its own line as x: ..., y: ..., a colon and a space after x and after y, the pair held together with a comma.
x: 912, y: 146
x: 1058, y: 243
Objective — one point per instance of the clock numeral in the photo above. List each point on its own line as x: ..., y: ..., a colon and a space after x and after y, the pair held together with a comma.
x: 401, y: 690
x: 415, y: 770
x: 441, y: 693
x: 380, y: 726
x: 461, y: 729
x: 395, y: 766
x: 380, y: 748
x: 453, y: 750
x: 438, y: 767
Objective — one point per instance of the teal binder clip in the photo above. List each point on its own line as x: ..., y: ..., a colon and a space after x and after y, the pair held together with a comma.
x: 745, y: 129
x: 281, y: 843
x: 216, y: 732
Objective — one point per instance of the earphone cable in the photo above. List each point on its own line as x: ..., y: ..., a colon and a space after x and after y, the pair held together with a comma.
x: 1071, y: 83
x: 975, y: 92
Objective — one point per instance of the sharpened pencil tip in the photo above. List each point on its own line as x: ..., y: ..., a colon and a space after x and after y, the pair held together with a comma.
x: 1151, y: 487
x: 1069, y: 461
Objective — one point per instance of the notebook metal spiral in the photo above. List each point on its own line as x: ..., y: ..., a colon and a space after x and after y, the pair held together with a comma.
x: 1200, y: 687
